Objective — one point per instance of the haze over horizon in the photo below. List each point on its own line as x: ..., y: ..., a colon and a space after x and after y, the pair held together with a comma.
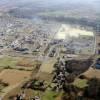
x: 50, y: 2
x: 75, y: 9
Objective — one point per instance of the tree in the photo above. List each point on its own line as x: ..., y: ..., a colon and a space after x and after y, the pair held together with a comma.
x: 93, y: 89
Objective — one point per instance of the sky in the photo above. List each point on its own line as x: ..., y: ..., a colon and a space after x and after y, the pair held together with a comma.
x: 56, y: 1
x: 93, y: 3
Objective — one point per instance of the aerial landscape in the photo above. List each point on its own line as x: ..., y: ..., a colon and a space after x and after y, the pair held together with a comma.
x: 49, y: 50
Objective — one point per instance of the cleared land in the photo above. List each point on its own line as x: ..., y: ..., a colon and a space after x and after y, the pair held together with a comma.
x: 48, y: 66
x: 13, y: 78
x: 91, y: 73
x: 46, y: 69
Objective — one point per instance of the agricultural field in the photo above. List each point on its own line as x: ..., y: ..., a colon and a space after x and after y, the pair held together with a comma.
x: 13, y: 78
x: 80, y: 83
x: 50, y: 95
x: 48, y: 49
x: 91, y: 73
x: 8, y: 62
x: 14, y: 71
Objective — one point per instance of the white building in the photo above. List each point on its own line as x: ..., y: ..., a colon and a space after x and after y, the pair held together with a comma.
x: 82, y: 41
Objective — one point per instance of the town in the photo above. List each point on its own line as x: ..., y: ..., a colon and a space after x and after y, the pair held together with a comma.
x: 48, y: 54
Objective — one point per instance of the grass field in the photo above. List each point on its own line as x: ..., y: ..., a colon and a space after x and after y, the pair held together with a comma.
x: 49, y: 95
x: 8, y: 61
x: 80, y: 83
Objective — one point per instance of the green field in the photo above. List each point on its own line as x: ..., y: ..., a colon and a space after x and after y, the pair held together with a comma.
x: 7, y: 61
x: 49, y: 95
x: 80, y: 83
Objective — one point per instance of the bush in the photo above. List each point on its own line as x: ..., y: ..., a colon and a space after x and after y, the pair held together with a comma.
x: 70, y: 78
